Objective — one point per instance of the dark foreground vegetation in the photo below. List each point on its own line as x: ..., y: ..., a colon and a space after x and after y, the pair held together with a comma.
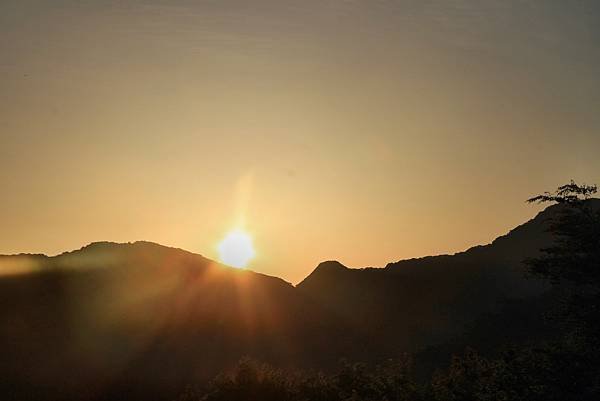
x: 562, y: 369
x: 559, y: 371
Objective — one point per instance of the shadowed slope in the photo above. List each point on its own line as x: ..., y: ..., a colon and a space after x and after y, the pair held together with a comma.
x: 415, y: 303
x: 147, y: 319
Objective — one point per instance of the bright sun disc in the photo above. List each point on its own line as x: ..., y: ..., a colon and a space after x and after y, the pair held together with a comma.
x: 236, y: 249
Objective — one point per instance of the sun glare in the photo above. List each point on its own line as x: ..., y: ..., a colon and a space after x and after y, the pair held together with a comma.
x: 236, y: 249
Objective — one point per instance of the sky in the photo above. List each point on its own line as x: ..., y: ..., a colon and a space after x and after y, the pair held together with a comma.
x: 362, y: 131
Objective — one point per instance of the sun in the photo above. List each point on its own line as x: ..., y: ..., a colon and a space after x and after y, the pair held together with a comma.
x: 236, y: 249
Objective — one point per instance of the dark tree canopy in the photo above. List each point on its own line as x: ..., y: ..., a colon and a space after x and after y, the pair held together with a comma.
x: 570, y: 193
x: 575, y: 255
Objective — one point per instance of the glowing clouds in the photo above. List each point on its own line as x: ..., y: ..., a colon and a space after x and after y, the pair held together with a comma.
x: 236, y: 249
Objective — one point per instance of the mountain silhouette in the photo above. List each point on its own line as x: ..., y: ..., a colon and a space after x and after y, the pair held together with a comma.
x: 114, y: 316
x: 418, y: 302
x: 146, y: 320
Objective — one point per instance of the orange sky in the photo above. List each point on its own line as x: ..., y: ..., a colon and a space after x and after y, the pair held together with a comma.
x: 355, y: 130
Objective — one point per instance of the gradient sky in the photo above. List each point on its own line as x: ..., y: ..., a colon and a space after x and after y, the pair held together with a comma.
x: 364, y: 131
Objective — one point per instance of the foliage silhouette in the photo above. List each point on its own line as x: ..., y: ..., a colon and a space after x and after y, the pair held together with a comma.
x: 250, y: 380
x: 575, y: 256
x: 562, y: 370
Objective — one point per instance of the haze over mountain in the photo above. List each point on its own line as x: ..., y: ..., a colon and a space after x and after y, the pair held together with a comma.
x: 174, y: 120
x: 144, y: 319
x: 330, y: 198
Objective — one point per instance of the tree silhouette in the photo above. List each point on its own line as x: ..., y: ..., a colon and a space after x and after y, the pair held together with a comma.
x: 567, y: 368
x: 570, y: 193
x: 575, y: 256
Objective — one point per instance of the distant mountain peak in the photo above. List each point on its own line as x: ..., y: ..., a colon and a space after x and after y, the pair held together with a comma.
x: 330, y: 265
x: 329, y: 268
x: 110, y: 246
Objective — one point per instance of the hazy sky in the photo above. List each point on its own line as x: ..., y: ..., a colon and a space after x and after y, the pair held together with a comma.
x: 364, y: 131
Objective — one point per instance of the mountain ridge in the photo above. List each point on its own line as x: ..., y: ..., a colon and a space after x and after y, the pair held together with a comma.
x: 114, y: 314
x: 327, y: 265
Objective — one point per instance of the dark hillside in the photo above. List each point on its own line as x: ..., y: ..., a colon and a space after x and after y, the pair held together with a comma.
x: 150, y: 319
x: 147, y: 320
